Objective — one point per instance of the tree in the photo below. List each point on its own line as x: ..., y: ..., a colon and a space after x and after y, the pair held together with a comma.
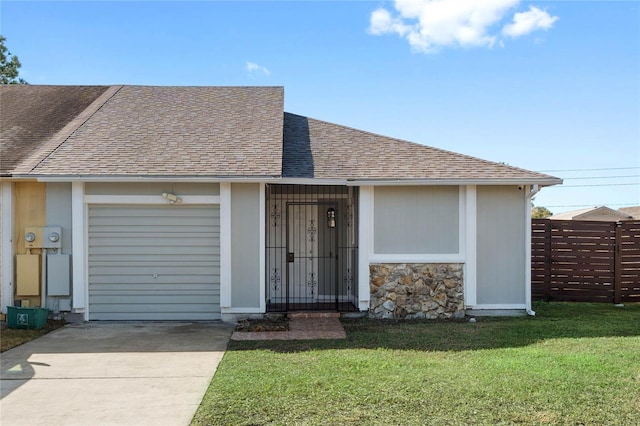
x: 540, y: 213
x: 9, y: 65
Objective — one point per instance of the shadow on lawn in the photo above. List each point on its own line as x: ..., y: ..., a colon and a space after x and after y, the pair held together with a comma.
x: 553, y: 321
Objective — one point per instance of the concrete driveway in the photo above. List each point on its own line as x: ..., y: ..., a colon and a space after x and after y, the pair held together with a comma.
x: 111, y: 374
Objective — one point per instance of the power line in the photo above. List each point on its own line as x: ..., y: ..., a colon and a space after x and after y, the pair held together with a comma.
x: 602, y: 177
x: 592, y: 185
x: 591, y: 170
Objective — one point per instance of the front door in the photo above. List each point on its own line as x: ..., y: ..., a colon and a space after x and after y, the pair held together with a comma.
x: 311, y: 255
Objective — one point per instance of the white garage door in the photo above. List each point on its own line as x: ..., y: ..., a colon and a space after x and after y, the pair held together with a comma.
x: 154, y: 262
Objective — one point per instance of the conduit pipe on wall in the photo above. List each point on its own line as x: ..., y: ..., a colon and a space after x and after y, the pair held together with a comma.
x: 43, y: 279
x: 529, y: 196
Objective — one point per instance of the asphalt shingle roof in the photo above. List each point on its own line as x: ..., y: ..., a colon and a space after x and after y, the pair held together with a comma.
x: 151, y: 131
x: 177, y: 131
x: 321, y: 150
x: 30, y: 115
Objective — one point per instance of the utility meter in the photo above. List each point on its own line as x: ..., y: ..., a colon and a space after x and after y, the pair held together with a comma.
x: 43, y: 237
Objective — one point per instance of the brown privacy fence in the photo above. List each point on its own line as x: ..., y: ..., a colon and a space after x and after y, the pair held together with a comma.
x: 585, y: 261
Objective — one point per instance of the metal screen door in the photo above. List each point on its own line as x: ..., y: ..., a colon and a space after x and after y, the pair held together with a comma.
x: 311, y: 248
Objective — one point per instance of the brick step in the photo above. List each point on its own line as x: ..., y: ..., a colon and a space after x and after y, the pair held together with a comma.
x: 293, y: 315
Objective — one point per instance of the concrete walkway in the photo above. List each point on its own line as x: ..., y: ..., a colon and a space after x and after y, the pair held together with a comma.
x: 111, y: 374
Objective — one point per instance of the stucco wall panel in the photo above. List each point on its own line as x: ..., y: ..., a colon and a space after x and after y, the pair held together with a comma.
x: 416, y: 220
x: 501, y: 253
x: 245, y: 245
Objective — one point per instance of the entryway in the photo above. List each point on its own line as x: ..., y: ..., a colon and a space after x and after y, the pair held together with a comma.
x: 311, y: 248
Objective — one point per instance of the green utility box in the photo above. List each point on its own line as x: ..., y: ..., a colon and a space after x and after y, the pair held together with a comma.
x: 31, y: 318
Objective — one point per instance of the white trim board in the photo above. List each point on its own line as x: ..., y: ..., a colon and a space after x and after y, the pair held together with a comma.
x: 471, y: 246
x: 365, y: 246
x: 79, y: 244
x: 6, y: 216
x: 262, y: 214
x: 251, y: 310
x: 225, y: 245
x: 496, y: 306
x: 150, y: 199
x: 417, y: 258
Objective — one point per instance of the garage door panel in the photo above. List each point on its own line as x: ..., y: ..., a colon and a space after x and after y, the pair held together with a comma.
x: 124, y: 211
x: 160, y: 231
x: 151, y: 316
x: 133, y: 287
x: 184, y: 252
x: 97, y: 280
x: 163, y: 221
x: 158, y: 242
x: 154, y: 262
x: 135, y: 302
x: 175, y: 271
x: 150, y: 259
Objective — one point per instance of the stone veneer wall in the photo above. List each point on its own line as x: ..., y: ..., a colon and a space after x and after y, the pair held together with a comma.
x: 416, y: 290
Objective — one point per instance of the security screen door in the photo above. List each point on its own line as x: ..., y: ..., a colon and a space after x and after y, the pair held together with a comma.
x: 311, y: 254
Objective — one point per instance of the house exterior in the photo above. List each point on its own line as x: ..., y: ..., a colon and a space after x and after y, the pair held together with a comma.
x: 632, y: 212
x: 601, y: 214
x: 207, y: 203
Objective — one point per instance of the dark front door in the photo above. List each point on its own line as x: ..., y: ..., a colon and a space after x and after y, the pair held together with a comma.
x: 311, y: 256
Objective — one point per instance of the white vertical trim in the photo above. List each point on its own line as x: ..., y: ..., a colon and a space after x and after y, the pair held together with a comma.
x: 527, y: 248
x: 262, y: 214
x: 365, y: 245
x: 225, y: 245
x: 6, y: 216
x: 79, y: 241
x: 471, y: 230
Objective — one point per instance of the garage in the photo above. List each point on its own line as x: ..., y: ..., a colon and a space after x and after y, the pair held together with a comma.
x: 154, y: 262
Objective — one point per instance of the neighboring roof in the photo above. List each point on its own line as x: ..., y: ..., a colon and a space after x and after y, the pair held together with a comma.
x: 592, y: 213
x: 30, y: 115
x: 321, y: 150
x: 631, y: 211
x: 177, y: 131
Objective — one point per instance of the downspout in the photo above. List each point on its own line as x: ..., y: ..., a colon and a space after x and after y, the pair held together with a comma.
x: 529, y: 195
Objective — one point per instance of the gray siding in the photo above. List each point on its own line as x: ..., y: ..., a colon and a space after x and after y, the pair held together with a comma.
x: 151, y: 188
x: 59, y: 211
x: 154, y: 262
x: 500, y: 245
x: 416, y: 220
x: 245, y: 245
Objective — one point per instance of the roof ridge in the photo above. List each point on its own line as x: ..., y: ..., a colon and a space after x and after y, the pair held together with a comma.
x: 514, y: 168
x: 49, y: 147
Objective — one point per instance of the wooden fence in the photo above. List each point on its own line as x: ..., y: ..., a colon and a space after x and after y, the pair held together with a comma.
x: 585, y: 261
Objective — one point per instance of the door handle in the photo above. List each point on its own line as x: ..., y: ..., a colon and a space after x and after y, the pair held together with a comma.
x: 290, y: 257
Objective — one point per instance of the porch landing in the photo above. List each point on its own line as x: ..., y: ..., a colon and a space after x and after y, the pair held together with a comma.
x: 302, y: 326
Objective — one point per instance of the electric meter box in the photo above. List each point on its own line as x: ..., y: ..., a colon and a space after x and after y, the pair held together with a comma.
x: 47, y: 237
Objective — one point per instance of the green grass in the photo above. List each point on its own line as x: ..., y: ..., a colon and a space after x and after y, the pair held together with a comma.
x: 571, y: 364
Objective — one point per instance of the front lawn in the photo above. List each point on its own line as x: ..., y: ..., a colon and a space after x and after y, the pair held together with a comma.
x: 571, y: 364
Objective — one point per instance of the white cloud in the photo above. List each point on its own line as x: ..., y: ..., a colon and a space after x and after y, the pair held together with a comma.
x: 527, y: 22
x: 382, y: 22
x: 252, y: 67
x: 429, y: 25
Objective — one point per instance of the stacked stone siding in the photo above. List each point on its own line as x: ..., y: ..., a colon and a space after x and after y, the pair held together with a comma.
x: 416, y: 290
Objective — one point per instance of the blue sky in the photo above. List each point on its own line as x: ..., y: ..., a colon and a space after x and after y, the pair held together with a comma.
x: 542, y: 85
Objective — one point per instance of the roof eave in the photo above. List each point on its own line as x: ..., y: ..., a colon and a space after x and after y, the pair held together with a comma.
x: 541, y: 182
x: 137, y: 178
